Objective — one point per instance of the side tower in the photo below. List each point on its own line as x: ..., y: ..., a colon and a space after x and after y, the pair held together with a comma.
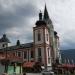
x: 51, y: 34
x: 4, y: 41
x: 42, y: 43
x: 57, y: 48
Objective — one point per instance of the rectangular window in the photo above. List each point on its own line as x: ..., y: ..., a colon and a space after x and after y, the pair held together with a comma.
x: 48, y: 55
x: 39, y: 37
x: 47, y: 36
x: 25, y: 54
x: 32, y: 54
x: 39, y: 55
x: 3, y: 45
x: 19, y: 54
x: 49, y: 60
x: 39, y: 52
x: 48, y: 52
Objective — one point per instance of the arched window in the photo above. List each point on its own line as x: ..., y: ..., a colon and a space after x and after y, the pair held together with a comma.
x: 25, y: 54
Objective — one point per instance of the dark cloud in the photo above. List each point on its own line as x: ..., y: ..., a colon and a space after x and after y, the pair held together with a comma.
x: 16, y: 21
x: 9, y: 20
x: 28, y: 10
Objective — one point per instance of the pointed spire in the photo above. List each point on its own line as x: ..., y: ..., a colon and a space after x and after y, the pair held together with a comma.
x: 46, y: 16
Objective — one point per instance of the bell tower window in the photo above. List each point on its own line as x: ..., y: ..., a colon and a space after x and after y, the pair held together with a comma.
x: 39, y: 37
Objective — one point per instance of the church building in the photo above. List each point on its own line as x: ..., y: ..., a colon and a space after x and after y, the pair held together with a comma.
x: 43, y: 49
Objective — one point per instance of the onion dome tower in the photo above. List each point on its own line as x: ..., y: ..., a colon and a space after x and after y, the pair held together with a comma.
x: 40, y: 22
x: 4, y: 41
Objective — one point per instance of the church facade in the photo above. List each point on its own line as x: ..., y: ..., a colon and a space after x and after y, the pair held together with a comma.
x: 43, y: 49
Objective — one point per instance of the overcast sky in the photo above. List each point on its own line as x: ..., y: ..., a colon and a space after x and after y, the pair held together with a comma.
x: 17, y: 18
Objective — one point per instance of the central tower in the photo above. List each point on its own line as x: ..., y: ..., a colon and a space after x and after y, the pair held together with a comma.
x: 46, y: 41
x: 42, y: 42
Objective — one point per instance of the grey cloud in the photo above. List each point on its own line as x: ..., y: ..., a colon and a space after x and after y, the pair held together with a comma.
x: 16, y: 19
x: 28, y: 10
x: 67, y: 45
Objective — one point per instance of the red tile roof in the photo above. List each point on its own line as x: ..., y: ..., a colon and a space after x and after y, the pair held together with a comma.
x: 66, y: 66
x: 29, y: 64
x: 10, y: 57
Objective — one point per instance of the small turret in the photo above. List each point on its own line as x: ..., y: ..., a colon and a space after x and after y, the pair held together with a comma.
x: 40, y: 15
x: 4, y: 41
x: 40, y: 22
x: 55, y: 33
x: 18, y: 42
